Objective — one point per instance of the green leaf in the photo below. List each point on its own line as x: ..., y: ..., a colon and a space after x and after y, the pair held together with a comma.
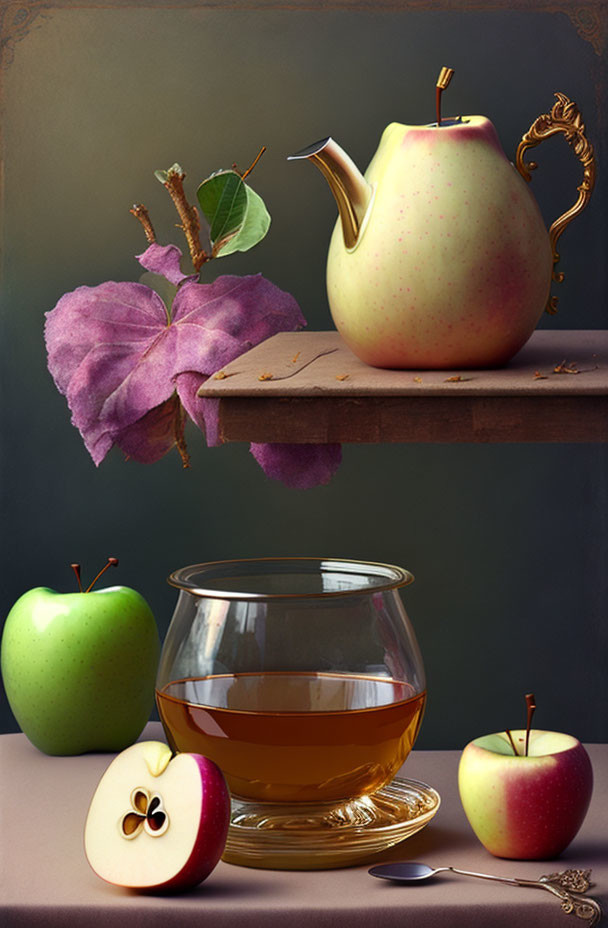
x: 237, y: 216
x: 223, y: 200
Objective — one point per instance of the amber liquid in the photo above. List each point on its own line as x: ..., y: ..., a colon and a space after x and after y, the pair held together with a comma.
x: 301, y: 737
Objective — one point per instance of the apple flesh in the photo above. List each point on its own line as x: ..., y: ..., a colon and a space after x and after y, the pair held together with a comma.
x: 525, y: 808
x: 79, y: 668
x: 157, y: 821
x: 452, y: 267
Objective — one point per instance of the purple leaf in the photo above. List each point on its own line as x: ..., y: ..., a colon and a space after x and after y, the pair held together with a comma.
x: 187, y: 387
x: 152, y: 436
x: 127, y: 366
x: 298, y: 466
x: 232, y: 314
x: 210, y: 410
x: 165, y: 260
x: 115, y: 355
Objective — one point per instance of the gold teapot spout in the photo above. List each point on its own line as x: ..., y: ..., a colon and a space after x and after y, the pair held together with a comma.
x: 351, y: 191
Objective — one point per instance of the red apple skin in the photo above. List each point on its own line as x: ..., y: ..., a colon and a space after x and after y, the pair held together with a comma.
x: 525, y: 808
x: 212, y: 831
x: 453, y: 267
x: 210, y: 806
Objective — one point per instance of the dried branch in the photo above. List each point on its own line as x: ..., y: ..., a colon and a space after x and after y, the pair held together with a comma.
x: 190, y: 223
x: 140, y: 212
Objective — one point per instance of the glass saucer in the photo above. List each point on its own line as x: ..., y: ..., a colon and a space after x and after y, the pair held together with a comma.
x: 307, y: 836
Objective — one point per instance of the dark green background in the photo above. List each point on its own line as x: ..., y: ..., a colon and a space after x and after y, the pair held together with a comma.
x: 508, y: 543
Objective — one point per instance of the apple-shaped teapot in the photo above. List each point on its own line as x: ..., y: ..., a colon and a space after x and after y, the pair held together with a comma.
x: 440, y: 257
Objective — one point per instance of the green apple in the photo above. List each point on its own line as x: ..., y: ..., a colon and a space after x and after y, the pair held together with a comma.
x: 79, y: 668
x: 525, y: 806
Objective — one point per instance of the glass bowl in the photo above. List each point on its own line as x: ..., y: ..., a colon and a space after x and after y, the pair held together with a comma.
x: 302, y: 679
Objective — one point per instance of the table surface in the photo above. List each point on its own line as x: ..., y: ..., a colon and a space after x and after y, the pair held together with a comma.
x: 45, y: 878
x: 313, y: 363
x: 309, y: 387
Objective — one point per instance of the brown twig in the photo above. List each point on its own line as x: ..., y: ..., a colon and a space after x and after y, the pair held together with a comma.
x: 190, y: 223
x: 140, y: 212
x: 510, y: 737
x: 566, y: 368
x: 572, y: 368
x: 267, y: 376
x: 254, y: 162
x: 178, y: 432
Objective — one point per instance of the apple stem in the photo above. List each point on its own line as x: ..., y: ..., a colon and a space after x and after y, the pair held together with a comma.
x: 510, y: 737
x: 76, y: 569
x: 112, y: 562
x: 531, y: 706
x: 445, y: 76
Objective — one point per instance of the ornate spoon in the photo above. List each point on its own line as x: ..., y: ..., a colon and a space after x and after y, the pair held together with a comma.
x: 559, y: 884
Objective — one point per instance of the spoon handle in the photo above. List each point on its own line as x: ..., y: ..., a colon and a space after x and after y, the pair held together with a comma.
x: 583, y: 907
x: 482, y: 876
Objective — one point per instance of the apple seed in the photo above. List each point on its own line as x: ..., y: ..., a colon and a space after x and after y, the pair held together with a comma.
x: 147, y: 813
x: 140, y: 800
x: 131, y: 824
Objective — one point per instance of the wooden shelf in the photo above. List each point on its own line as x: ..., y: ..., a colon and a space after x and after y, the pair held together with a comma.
x: 309, y: 387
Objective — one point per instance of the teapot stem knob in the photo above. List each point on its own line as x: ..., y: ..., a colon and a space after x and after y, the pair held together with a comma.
x: 445, y: 76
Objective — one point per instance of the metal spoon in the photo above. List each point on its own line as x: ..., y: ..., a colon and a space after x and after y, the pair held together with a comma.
x: 558, y: 884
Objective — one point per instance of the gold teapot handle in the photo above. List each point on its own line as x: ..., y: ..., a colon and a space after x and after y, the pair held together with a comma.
x: 566, y: 119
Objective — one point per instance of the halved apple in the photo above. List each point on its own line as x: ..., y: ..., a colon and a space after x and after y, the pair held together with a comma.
x: 157, y: 821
